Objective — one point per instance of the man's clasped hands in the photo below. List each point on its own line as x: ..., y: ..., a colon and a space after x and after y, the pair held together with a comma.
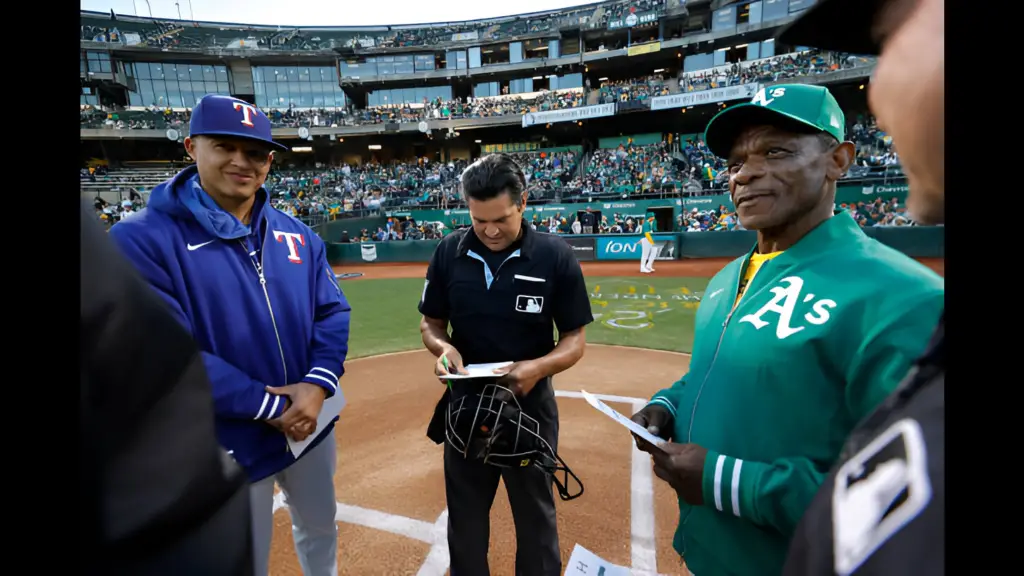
x: 302, y: 408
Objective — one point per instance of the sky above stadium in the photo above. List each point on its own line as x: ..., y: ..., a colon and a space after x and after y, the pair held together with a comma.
x: 327, y: 13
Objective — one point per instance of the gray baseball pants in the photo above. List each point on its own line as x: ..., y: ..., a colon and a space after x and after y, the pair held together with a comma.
x: 308, y: 487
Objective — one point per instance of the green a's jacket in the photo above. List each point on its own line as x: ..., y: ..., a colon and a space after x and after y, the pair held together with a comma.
x: 825, y: 331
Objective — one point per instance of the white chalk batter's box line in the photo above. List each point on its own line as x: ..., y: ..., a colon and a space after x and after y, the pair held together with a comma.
x: 642, y: 547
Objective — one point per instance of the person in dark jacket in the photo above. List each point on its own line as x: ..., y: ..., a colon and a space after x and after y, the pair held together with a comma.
x: 881, y: 511
x: 159, y: 495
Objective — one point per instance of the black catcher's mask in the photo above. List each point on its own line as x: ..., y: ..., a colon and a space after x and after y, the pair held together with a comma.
x: 491, y: 426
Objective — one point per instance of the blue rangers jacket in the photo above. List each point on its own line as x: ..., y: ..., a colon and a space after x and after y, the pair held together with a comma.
x: 262, y: 303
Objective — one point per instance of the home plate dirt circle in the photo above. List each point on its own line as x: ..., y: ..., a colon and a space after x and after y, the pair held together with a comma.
x: 390, y: 482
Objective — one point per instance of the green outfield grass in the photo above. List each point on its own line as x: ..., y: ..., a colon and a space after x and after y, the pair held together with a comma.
x: 648, y: 312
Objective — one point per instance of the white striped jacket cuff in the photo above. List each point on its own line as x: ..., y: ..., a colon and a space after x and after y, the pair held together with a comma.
x: 723, y: 484
x: 662, y: 401
x: 271, y: 407
x: 324, y: 378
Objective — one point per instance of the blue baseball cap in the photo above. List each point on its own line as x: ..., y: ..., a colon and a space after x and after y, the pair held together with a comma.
x: 218, y: 115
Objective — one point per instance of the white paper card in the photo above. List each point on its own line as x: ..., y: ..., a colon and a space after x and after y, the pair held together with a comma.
x: 477, y: 371
x: 614, y: 415
x: 331, y: 408
x: 583, y: 562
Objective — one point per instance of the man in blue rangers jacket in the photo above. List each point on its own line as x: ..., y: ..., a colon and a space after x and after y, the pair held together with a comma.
x: 254, y: 288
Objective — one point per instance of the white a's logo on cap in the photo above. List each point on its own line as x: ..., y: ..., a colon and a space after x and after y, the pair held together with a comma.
x: 247, y: 112
x: 760, y: 99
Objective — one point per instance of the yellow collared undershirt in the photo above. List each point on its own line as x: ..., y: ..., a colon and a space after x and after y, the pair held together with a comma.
x: 756, y: 261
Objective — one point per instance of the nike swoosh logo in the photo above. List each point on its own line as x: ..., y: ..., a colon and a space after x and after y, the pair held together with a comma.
x: 192, y: 247
x: 715, y: 293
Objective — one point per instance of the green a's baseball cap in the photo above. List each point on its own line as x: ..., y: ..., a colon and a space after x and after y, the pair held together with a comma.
x: 837, y: 25
x: 802, y: 108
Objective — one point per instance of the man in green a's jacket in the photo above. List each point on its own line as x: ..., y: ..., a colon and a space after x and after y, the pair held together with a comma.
x: 795, y: 342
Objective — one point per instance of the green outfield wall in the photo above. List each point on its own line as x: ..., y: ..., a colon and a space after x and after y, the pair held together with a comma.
x: 915, y: 241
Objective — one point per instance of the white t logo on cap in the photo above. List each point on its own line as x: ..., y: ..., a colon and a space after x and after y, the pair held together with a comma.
x: 247, y: 111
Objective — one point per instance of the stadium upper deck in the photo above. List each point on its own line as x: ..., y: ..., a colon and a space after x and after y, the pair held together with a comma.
x: 529, y: 63
x: 182, y: 35
x: 511, y: 49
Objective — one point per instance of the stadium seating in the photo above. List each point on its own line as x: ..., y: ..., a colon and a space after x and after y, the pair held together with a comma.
x: 668, y: 165
x: 642, y: 88
x: 97, y: 27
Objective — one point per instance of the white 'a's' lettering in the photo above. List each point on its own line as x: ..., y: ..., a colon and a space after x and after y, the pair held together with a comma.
x: 784, y: 303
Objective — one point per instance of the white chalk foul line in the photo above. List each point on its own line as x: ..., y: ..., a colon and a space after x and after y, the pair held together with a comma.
x: 437, y: 561
x: 603, y: 397
x: 644, y: 557
x: 392, y: 523
x: 408, y: 527
x: 641, y: 505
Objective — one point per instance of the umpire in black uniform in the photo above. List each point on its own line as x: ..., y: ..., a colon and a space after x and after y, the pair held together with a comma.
x: 501, y: 285
x: 882, y: 510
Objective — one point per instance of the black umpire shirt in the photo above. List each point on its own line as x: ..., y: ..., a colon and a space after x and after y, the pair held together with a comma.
x: 501, y: 305
x: 883, y: 510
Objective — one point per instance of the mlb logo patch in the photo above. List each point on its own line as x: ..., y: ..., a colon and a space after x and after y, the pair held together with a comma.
x: 877, y: 492
x: 529, y: 304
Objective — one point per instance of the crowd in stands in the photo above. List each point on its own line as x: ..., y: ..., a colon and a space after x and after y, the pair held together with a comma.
x: 110, y: 213
x: 155, y: 117
x: 638, y: 89
x: 327, y: 192
x: 316, y: 195
x: 773, y: 69
x: 879, y: 212
x: 469, y: 107
x: 874, y: 146
x: 678, y: 165
x: 547, y: 172
x: 188, y: 35
x: 400, y: 229
x: 629, y: 169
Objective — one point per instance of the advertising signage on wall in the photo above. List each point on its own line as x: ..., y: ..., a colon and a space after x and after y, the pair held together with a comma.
x: 713, y: 96
x: 510, y: 147
x: 708, y: 202
x: 635, y: 19
x: 627, y: 246
x: 583, y: 247
x: 568, y: 114
x: 865, y: 192
x: 640, y: 49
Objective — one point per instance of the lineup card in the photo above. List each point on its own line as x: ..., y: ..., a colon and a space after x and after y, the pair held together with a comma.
x: 618, y: 417
x: 477, y: 371
x: 332, y: 407
x: 583, y: 562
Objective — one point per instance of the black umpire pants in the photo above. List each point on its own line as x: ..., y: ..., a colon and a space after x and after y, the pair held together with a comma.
x: 470, y: 486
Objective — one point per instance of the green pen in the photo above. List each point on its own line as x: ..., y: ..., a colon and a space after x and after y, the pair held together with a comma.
x: 444, y: 362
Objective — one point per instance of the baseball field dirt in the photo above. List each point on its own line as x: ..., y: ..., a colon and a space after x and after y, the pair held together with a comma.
x: 390, y: 483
